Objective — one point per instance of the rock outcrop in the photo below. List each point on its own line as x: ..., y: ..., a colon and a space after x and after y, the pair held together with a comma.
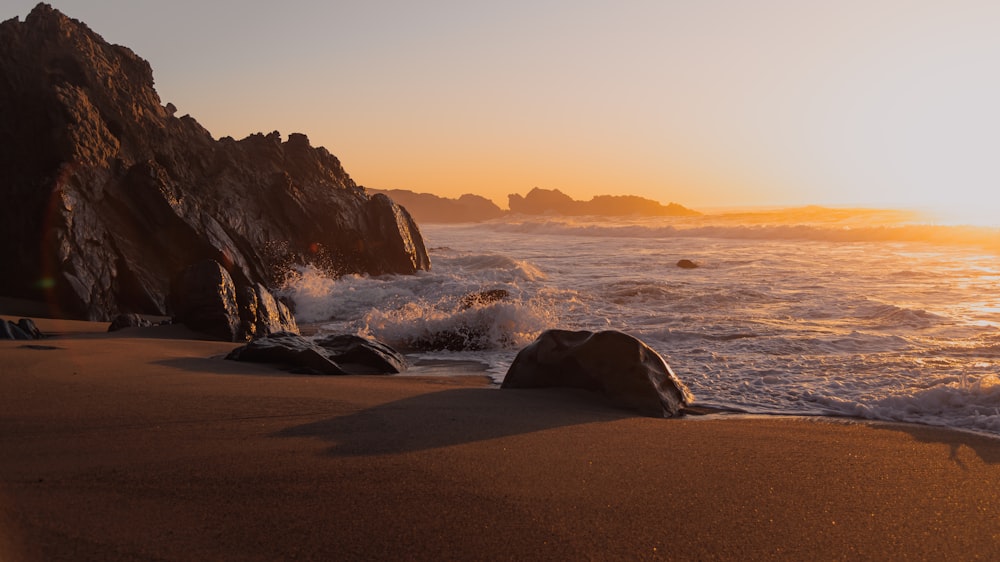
x: 554, y: 202
x: 108, y: 194
x: 23, y: 329
x: 128, y: 320
x: 630, y: 373
x: 332, y: 355
x: 687, y: 264
x: 205, y: 298
x: 428, y: 208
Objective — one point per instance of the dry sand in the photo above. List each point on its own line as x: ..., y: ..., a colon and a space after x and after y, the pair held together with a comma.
x: 145, y: 445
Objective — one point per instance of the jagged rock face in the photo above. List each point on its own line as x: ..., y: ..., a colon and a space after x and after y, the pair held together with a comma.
x: 109, y: 195
x: 205, y: 298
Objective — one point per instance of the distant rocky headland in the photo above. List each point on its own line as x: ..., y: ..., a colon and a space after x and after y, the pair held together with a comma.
x: 428, y: 208
x: 108, y: 194
x: 552, y: 201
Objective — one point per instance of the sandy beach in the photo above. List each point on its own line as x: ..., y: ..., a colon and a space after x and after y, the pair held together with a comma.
x: 146, y: 445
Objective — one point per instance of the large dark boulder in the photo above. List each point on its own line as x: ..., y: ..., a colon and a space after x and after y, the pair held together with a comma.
x: 359, y: 355
x: 288, y: 350
x: 205, y: 298
x: 23, y: 329
x: 109, y: 194
x: 332, y: 355
x: 616, y: 364
x: 261, y: 314
x: 128, y: 320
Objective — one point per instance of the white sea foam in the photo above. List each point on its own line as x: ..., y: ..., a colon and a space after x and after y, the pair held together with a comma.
x: 778, y: 319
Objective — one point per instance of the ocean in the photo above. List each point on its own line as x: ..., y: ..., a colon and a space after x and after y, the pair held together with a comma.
x: 812, y: 311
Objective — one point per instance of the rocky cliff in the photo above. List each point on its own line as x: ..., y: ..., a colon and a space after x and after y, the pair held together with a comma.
x: 108, y: 194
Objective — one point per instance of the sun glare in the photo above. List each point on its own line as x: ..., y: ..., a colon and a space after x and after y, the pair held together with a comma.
x: 980, y: 213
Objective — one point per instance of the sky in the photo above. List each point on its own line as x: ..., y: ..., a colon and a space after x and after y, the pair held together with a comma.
x: 708, y: 103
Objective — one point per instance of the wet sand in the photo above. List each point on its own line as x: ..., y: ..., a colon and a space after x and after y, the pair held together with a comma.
x: 146, y: 445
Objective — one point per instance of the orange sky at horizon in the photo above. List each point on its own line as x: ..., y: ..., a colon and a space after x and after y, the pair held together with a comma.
x: 881, y: 103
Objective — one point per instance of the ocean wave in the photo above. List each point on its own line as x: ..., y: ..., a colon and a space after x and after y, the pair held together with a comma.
x: 968, y: 403
x: 511, y: 268
x: 887, y: 316
x: 446, y: 325
x: 639, y: 291
x: 689, y: 228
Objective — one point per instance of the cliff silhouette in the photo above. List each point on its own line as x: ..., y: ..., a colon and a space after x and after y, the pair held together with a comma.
x: 554, y: 202
x: 428, y: 208
x: 109, y: 194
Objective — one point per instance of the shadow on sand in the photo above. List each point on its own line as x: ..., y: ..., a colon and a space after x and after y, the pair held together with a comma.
x: 219, y: 365
x: 455, y: 417
x: 987, y: 448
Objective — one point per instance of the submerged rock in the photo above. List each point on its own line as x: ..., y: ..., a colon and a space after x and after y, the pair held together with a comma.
x: 480, y: 298
x: 626, y: 370
x: 332, y: 355
x: 110, y: 193
x: 687, y: 264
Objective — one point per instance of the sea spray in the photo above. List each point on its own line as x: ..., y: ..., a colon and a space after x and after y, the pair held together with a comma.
x: 431, y: 311
x: 796, y: 319
x: 446, y: 325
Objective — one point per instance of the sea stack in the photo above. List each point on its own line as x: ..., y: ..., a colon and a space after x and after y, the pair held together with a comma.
x: 108, y: 194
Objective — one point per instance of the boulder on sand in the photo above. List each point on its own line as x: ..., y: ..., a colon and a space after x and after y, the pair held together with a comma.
x: 626, y: 370
x: 24, y: 329
x: 332, y: 355
x: 204, y: 298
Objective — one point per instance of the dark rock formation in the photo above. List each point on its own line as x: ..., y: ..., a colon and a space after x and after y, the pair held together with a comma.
x: 23, y: 329
x: 460, y: 338
x: 204, y: 297
x: 335, y: 355
x: 261, y: 314
x: 554, y: 202
x: 687, y: 264
x: 618, y: 365
x: 109, y: 194
x: 128, y: 320
x: 27, y: 325
x: 481, y: 298
x: 428, y: 208
x: 362, y: 356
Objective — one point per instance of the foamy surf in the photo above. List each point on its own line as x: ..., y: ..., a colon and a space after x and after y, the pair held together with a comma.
x: 779, y: 323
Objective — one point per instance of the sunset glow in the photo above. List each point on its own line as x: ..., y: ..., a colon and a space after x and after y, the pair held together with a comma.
x: 886, y: 104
